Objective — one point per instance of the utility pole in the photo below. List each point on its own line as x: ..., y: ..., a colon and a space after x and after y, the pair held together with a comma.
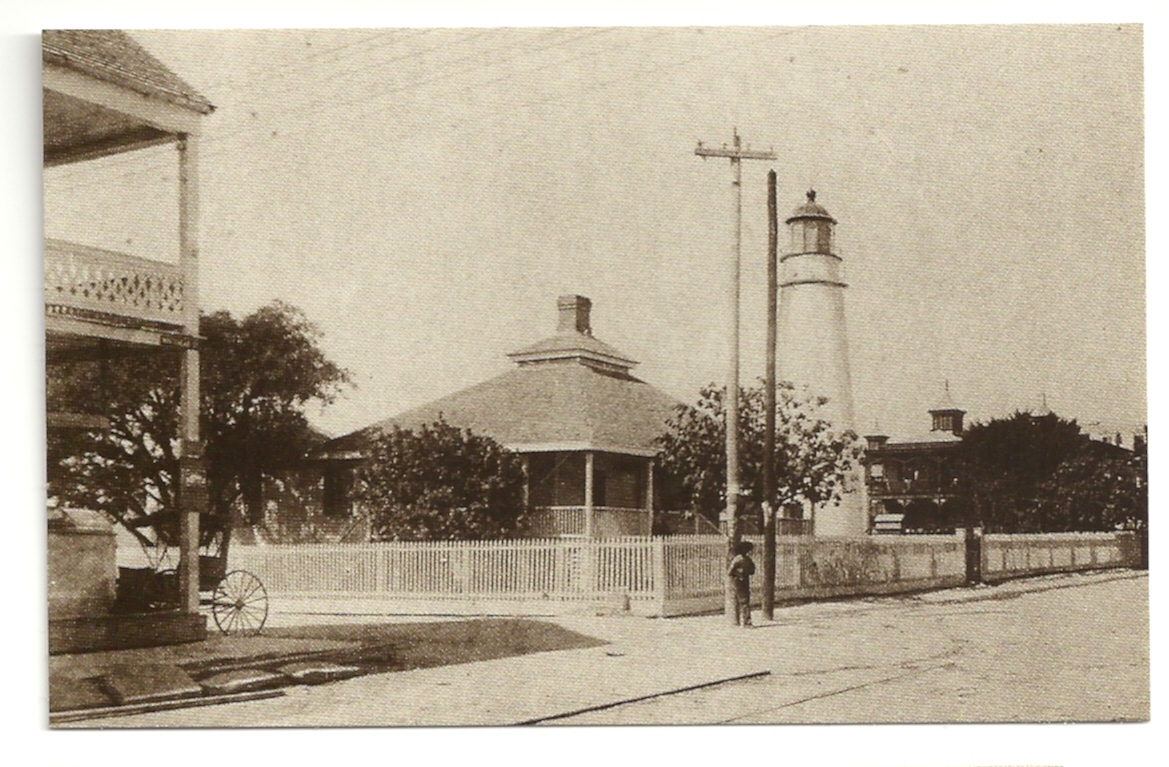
x: 769, y: 510
x: 736, y: 154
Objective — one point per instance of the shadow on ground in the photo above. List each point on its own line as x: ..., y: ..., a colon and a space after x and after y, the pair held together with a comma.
x: 367, y: 648
x: 405, y: 646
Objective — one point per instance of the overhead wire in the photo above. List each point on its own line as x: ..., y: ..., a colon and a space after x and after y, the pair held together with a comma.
x: 130, y: 157
x: 223, y: 137
x: 367, y: 96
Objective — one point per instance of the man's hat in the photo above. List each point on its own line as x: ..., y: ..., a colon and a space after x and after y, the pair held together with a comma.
x: 744, y: 547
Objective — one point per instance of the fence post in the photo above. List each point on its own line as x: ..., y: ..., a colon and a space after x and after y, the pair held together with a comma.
x: 973, y: 536
x: 379, y: 570
x: 660, y: 586
x: 984, y: 561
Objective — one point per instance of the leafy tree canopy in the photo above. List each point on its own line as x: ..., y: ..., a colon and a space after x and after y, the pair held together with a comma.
x: 811, y: 460
x: 441, y: 483
x: 259, y: 374
x: 1041, y: 473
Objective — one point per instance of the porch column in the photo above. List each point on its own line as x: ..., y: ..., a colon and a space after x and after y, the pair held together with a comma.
x: 649, y: 495
x: 526, y: 465
x: 193, y: 478
x: 588, y: 493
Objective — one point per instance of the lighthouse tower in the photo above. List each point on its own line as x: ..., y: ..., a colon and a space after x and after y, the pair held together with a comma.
x: 813, y: 345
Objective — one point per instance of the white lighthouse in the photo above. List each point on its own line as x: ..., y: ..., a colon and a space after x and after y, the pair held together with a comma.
x: 813, y: 344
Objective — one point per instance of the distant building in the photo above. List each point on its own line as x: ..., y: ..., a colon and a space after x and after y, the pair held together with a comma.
x: 584, y: 425
x: 915, y: 485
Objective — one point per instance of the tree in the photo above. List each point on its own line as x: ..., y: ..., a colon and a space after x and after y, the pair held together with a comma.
x: 1041, y: 473
x: 1096, y: 490
x: 1006, y: 459
x: 262, y: 372
x: 258, y: 376
x: 441, y: 483
x: 811, y: 459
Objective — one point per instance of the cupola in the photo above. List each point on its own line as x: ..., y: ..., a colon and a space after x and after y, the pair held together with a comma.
x: 946, y: 415
x: 574, y: 342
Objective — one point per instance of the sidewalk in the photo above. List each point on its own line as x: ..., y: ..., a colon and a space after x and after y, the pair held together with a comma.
x: 643, y: 658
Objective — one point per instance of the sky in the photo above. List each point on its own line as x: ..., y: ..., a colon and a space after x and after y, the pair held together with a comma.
x: 424, y: 195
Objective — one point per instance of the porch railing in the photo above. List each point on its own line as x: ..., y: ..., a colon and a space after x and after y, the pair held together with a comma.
x: 107, y: 282
x: 607, y: 522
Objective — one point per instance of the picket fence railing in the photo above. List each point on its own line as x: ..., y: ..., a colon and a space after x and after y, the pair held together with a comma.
x: 563, y: 569
x: 656, y: 575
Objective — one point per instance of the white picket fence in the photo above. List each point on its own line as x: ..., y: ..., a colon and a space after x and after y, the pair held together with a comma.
x: 654, y: 576
x: 561, y: 569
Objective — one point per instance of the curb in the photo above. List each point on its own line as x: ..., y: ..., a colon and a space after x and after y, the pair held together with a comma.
x: 64, y: 717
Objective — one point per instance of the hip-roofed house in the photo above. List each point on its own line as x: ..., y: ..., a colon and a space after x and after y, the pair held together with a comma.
x: 585, y: 426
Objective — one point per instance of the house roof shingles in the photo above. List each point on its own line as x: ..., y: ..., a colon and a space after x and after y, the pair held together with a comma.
x: 541, y: 407
x: 570, y: 391
x: 572, y: 344
x: 114, y: 56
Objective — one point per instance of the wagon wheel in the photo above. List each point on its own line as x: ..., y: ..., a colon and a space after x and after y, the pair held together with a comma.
x: 240, y: 603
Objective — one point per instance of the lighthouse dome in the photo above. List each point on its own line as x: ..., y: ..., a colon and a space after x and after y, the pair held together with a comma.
x: 811, y: 209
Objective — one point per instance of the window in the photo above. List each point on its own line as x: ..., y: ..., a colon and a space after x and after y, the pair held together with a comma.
x: 337, y: 491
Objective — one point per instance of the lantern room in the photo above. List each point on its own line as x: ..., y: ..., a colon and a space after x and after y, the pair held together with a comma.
x: 810, y: 227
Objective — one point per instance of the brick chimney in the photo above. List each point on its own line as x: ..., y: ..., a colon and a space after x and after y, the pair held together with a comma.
x: 574, y: 315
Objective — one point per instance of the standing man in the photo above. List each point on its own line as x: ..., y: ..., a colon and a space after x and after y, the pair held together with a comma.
x: 741, y: 569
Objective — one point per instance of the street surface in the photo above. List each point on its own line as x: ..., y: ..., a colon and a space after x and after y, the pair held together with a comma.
x: 1059, y: 648
x: 1078, y: 652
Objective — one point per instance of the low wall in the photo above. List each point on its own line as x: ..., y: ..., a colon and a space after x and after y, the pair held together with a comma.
x: 83, y: 573
x: 82, y: 565
x: 1021, y: 555
x: 815, y: 568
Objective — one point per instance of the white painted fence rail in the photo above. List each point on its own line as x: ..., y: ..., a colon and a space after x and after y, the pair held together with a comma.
x: 559, y: 569
x: 672, y: 575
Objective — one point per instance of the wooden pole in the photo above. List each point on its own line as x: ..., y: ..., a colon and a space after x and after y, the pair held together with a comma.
x: 192, y: 485
x: 769, y: 510
x: 736, y: 154
x: 649, y: 496
x: 732, y: 399
x: 588, y: 495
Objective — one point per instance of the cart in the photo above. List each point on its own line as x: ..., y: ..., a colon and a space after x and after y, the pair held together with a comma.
x: 236, y: 598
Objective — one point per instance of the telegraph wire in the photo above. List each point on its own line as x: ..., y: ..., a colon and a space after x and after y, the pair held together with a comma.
x: 218, y: 142
x: 222, y: 138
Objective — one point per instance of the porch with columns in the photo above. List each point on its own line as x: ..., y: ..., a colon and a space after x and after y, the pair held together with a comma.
x: 105, y: 95
x: 589, y: 494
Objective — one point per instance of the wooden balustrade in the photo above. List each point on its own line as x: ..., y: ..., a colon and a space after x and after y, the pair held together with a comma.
x: 81, y: 279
